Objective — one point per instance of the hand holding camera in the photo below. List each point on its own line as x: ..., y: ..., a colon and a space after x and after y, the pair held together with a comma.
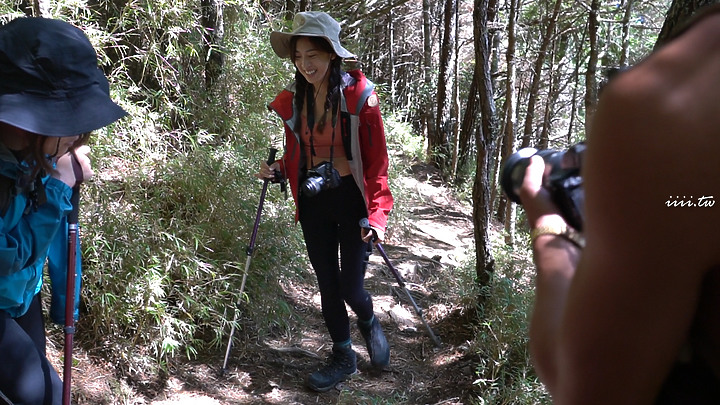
x: 561, y: 179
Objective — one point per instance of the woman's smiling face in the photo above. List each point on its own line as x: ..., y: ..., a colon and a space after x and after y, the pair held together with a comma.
x: 312, y: 61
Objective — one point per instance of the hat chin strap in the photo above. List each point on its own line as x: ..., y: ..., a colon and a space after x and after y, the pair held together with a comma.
x: 57, y: 149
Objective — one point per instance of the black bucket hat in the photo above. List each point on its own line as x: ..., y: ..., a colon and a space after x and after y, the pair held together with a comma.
x: 50, y: 83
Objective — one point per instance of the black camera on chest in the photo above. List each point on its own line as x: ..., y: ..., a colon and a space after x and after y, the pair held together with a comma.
x: 321, y: 177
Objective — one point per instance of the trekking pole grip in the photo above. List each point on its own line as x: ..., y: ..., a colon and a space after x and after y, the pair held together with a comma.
x: 271, y: 158
x: 75, y: 201
x: 365, y: 223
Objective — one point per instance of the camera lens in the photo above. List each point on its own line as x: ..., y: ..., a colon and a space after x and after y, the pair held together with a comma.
x: 513, y: 172
x: 313, y: 185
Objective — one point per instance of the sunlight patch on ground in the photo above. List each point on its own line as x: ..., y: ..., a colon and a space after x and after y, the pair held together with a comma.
x: 178, y: 395
x: 448, y: 358
x: 187, y: 399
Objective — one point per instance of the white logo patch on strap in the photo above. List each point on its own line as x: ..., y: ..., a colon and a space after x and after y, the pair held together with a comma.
x: 373, y: 101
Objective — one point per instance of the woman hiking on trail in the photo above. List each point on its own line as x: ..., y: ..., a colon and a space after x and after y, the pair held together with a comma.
x: 336, y: 162
x: 52, y: 94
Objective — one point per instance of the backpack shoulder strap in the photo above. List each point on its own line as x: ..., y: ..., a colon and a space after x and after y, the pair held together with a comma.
x: 357, y: 91
x: 366, y: 92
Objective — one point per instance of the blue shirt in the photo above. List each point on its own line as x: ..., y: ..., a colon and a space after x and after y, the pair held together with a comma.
x: 27, y: 234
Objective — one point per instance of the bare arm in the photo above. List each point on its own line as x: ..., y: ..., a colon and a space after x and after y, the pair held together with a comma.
x: 609, y: 331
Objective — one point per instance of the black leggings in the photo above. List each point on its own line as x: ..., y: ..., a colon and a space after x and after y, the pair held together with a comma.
x: 329, y: 219
x: 26, y: 375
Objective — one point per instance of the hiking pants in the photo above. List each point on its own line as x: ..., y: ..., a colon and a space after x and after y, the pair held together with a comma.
x: 329, y: 219
x: 26, y: 375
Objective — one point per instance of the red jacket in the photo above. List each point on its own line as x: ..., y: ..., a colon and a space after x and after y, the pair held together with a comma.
x: 367, y: 136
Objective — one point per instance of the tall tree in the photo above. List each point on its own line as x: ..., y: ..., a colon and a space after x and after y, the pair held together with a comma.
x: 36, y: 8
x: 537, y: 72
x: 626, y: 32
x: 391, y: 54
x: 467, y: 128
x: 427, y: 115
x: 552, y: 98
x: 590, y: 72
x: 454, y: 93
x: 506, y: 209
x: 212, y: 20
x: 439, y: 137
x: 576, y: 73
x: 680, y: 11
x: 485, y: 139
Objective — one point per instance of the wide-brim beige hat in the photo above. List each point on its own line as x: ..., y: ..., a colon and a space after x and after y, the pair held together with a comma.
x: 310, y: 24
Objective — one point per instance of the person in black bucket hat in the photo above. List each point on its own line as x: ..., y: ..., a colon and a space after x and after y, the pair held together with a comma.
x: 52, y: 95
x: 336, y: 162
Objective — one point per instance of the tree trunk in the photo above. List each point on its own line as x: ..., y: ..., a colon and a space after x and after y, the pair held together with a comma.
x: 507, y: 210
x: 34, y: 8
x: 537, y: 73
x: 42, y: 8
x: 485, y: 139
x: 455, y: 97
x: 679, y: 12
x: 467, y: 129
x: 289, y: 9
x: 590, y: 80
x: 391, y: 54
x: 576, y: 73
x: 439, y: 140
x: 626, y: 33
x: 427, y: 113
x: 212, y: 20
x: 552, y: 98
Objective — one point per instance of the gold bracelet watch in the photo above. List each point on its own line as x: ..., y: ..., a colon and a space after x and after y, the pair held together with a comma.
x: 563, y: 230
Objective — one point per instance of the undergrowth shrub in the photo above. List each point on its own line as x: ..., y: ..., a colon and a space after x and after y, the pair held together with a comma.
x: 504, y: 372
x: 165, y: 254
x: 404, y: 148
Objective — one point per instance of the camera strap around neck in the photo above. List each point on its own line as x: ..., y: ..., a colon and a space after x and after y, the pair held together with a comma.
x: 310, y: 105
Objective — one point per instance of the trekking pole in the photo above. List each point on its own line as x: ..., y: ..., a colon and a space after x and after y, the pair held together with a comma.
x: 364, y: 223
x: 5, y: 400
x: 70, y: 292
x: 249, y: 251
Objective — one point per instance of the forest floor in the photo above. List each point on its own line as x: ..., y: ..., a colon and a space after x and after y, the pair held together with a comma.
x: 274, y: 372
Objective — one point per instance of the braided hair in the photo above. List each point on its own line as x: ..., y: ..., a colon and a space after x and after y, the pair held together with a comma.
x: 302, y: 86
x: 39, y: 164
x: 35, y: 156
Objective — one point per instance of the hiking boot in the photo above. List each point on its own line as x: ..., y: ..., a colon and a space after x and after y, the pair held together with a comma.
x: 341, y: 365
x: 377, y: 345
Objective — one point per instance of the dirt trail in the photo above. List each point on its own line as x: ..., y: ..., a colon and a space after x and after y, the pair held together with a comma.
x: 273, y: 372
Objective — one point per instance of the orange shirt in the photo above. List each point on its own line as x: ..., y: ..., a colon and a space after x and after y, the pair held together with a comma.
x: 321, y: 142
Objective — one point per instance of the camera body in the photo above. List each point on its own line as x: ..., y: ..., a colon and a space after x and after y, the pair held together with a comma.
x: 321, y: 177
x: 561, y: 178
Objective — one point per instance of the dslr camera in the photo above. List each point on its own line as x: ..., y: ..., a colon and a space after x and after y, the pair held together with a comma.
x: 321, y: 177
x: 561, y: 178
